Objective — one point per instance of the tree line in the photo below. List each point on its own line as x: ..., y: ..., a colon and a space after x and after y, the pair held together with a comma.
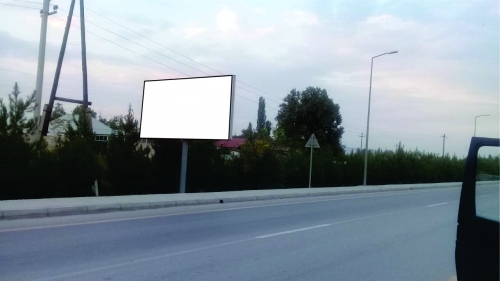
x: 272, y: 157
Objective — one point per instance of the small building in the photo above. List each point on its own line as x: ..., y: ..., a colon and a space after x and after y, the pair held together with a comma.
x: 234, y: 146
x: 57, y: 128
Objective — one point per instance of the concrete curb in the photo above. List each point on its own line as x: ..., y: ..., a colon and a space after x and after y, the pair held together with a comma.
x: 103, y: 208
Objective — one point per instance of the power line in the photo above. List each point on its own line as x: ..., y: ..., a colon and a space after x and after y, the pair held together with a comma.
x: 27, y: 1
x: 137, y: 33
x: 377, y: 131
x: 179, y: 61
x: 127, y: 49
x: 149, y: 58
x: 19, y: 6
x: 142, y: 45
x: 33, y: 2
x: 267, y: 106
x: 168, y: 57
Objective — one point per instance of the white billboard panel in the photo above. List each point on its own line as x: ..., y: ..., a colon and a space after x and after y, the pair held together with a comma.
x: 188, y: 108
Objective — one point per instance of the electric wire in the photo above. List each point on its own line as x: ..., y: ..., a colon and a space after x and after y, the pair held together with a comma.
x: 184, y: 56
x: 130, y: 50
x: 20, y: 6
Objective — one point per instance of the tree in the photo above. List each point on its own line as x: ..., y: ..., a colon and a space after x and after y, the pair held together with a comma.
x: 307, y: 112
x: 268, y: 129
x: 248, y: 133
x: 263, y: 128
x: 261, y: 165
x: 77, y: 159
x: 112, y: 122
x: 83, y: 128
x: 127, y: 126
x: 18, y: 158
x: 13, y: 122
x: 57, y: 112
x: 128, y: 163
x: 56, y: 123
x: 79, y: 109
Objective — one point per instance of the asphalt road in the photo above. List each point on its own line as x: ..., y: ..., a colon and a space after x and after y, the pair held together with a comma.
x: 378, y: 236
x: 487, y: 201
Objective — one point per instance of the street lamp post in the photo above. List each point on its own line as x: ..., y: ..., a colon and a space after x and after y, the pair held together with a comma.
x: 475, y: 122
x: 368, y: 119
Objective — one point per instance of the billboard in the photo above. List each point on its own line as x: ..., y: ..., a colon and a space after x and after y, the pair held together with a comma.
x: 188, y: 108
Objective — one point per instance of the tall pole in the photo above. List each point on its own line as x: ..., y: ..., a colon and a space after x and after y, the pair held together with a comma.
x: 87, y: 111
x: 84, y: 56
x: 444, y: 137
x: 44, y: 13
x: 368, y: 118
x: 311, y: 165
x: 361, y: 141
x: 368, y: 125
x: 182, y: 188
x: 475, y: 122
x: 48, y: 110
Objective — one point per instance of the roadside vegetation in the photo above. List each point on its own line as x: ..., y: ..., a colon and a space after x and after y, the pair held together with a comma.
x: 272, y: 157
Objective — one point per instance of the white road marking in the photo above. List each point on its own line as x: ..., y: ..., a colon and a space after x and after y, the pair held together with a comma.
x: 76, y: 273
x: 292, y: 231
x: 221, y: 210
x: 437, y: 204
x: 211, y: 247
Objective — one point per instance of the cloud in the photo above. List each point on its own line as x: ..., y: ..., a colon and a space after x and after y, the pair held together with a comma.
x: 259, y: 10
x: 351, y: 79
x: 15, y: 47
x: 227, y: 20
x: 301, y: 18
x: 262, y: 31
x: 190, y: 32
x: 60, y: 24
x: 388, y: 22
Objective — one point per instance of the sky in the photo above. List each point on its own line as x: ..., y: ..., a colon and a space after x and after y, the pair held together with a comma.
x: 445, y: 73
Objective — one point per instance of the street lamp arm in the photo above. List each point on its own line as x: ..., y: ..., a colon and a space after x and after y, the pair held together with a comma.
x: 475, y: 122
x: 368, y: 117
x: 379, y: 55
x: 388, y: 53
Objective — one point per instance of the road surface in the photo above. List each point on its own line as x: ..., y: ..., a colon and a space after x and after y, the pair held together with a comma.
x: 380, y: 236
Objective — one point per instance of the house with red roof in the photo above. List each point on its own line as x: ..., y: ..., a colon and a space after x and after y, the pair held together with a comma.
x: 234, y: 146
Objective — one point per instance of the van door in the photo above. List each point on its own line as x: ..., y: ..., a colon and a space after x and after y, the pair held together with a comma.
x: 477, y: 243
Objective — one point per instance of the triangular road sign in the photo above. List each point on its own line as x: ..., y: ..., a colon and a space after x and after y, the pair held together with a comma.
x: 312, y: 142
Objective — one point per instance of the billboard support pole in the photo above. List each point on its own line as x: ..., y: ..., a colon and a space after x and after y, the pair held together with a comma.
x: 183, y: 166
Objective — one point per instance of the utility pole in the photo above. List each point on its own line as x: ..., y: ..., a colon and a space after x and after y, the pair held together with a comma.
x: 444, y: 138
x: 44, y: 13
x: 84, y: 57
x: 361, y: 136
x: 88, y: 114
x: 48, y: 107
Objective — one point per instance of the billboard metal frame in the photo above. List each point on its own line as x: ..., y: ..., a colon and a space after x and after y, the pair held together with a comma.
x: 231, y: 104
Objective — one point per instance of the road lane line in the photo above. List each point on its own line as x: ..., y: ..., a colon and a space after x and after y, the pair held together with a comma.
x: 437, y: 204
x: 292, y: 231
x: 82, y: 272
x: 95, y: 269
x: 221, y: 210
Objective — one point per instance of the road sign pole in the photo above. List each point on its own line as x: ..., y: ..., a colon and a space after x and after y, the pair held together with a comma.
x: 310, y: 166
x: 184, y: 166
x: 312, y: 143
